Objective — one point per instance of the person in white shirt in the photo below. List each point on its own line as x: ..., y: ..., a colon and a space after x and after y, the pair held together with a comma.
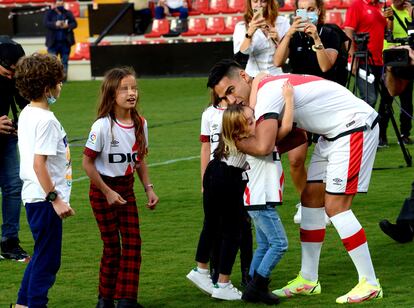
x: 259, y: 35
x: 340, y: 167
x: 115, y: 149
x: 45, y: 169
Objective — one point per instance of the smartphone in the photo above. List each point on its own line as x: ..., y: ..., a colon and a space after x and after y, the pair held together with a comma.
x: 303, y: 14
x: 258, y: 12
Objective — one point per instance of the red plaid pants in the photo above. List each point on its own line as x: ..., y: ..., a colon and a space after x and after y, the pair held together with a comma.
x: 119, y: 227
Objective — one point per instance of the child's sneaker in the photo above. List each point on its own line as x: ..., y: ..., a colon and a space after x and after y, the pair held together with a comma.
x: 201, y: 280
x: 228, y: 293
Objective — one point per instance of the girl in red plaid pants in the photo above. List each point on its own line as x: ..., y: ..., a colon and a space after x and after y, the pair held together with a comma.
x: 116, y: 146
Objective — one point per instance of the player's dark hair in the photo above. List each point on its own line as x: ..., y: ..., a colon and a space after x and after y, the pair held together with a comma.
x: 109, y: 88
x: 223, y: 68
x: 37, y: 73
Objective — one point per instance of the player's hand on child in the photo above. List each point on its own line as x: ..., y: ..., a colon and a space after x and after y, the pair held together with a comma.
x: 287, y: 91
x: 152, y: 199
x: 62, y: 209
x: 113, y: 198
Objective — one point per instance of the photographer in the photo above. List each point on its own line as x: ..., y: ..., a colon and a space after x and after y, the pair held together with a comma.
x: 398, y: 78
x: 366, y: 17
x: 10, y: 182
x: 399, y: 17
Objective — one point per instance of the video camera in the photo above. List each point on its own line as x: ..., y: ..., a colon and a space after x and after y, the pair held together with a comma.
x: 399, y: 57
x: 361, y: 40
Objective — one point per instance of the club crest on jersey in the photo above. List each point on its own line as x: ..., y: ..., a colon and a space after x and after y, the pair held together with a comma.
x: 92, y: 138
x: 119, y: 158
x: 114, y: 143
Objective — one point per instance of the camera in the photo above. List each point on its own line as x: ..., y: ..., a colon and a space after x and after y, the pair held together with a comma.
x: 399, y: 57
x: 361, y: 40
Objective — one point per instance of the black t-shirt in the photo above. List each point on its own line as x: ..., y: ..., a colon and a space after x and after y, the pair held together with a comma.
x: 302, y: 58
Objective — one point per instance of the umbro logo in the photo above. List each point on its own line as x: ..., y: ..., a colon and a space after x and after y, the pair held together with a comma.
x: 337, y: 181
x: 114, y: 143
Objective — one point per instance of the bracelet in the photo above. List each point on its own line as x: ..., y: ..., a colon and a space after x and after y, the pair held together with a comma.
x: 317, y: 47
x: 148, y: 186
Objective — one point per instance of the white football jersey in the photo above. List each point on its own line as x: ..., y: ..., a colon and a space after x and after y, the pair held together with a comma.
x: 115, y: 143
x: 320, y: 106
x: 211, y: 121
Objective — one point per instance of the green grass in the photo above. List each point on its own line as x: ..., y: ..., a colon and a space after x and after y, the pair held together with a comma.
x: 173, y: 108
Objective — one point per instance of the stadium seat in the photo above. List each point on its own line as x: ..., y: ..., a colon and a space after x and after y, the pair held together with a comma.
x: 215, y: 25
x: 81, y: 51
x: 237, y: 5
x: 334, y: 17
x: 201, y: 7
x: 6, y: 2
x: 230, y: 23
x: 196, y: 26
x: 346, y: 3
x: 159, y: 27
x: 333, y: 4
x: 74, y: 7
x: 218, y: 6
x: 289, y: 6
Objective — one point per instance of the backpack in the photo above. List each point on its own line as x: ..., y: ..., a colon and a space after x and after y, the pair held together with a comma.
x: 340, y: 70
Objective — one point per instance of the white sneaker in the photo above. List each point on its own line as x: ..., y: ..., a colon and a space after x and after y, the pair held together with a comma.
x: 298, y: 216
x: 201, y: 281
x: 228, y: 293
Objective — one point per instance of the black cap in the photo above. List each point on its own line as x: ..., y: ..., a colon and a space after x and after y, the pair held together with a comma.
x: 10, y: 52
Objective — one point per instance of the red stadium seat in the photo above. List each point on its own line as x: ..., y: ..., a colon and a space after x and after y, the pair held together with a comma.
x: 230, y: 23
x: 289, y: 6
x: 196, y: 26
x: 334, y: 17
x: 6, y: 2
x: 159, y: 27
x: 215, y: 25
x: 218, y: 6
x: 346, y: 3
x: 81, y: 51
x: 237, y: 5
x: 333, y: 4
x: 201, y: 6
x: 74, y: 7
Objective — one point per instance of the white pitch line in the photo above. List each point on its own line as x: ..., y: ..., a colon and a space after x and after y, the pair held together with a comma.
x: 167, y: 162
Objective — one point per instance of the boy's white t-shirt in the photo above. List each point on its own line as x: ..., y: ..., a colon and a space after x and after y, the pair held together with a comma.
x: 41, y: 133
x: 116, y: 144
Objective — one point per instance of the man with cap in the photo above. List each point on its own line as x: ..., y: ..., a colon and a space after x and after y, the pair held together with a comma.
x: 10, y: 182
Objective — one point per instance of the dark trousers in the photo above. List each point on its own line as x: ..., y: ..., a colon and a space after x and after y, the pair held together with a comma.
x: 40, y: 273
x: 406, y: 99
x: 120, y: 263
x: 223, y: 215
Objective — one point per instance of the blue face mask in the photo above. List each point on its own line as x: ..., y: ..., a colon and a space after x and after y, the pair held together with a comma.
x: 51, y: 100
x: 313, y: 17
x: 60, y: 8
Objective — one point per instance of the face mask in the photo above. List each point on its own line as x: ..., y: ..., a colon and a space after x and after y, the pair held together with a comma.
x: 51, y: 100
x: 313, y: 17
x: 60, y: 8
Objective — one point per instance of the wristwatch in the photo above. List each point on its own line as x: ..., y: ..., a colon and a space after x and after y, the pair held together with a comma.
x: 51, y: 196
x: 317, y: 47
x: 248, y: 36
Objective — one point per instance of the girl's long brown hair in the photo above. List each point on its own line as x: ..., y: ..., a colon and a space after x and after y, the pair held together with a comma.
x: 270, y: 13
x: 109, y: 87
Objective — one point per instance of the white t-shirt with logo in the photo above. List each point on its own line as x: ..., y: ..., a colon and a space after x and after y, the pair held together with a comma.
x: 41, y: 133
x: 211, y: 121
x: 116, y: 144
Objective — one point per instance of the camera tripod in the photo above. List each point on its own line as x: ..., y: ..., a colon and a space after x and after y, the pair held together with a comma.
x: 366, y: 57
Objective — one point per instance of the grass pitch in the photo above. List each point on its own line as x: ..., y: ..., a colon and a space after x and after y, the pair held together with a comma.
x: 173, y: 109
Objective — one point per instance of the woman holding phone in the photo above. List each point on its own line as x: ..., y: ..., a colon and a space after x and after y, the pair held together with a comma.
x: 311, y: 47
x: 259, y: 35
